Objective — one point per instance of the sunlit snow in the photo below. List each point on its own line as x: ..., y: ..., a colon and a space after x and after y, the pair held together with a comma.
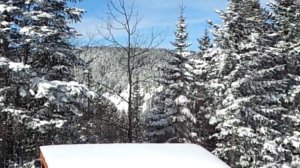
x: 130, y: 156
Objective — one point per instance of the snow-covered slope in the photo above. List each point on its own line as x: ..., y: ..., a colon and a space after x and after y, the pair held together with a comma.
x: 120, y: 101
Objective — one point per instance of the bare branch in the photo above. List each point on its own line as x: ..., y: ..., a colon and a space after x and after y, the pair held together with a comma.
x: 114, y: 91
x: 124, y: 18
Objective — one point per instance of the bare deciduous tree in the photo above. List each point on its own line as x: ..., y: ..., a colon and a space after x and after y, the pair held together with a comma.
x: 121, y: 29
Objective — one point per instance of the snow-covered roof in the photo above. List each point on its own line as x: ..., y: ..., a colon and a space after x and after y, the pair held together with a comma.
x: 130, y: 156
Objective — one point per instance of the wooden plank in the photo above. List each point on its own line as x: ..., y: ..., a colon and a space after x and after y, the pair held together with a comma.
x: 43, y: 160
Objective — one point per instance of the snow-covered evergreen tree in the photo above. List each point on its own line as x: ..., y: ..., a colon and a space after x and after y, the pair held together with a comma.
x: 176, y: 78
x: 13, y: 76
x: 204, y: 98
x: 258, y: 120
x: 285, y: 79
x: 158, y: 122
x: 37, y: 34
x: 13, y: 79
x: 181, y: 33
x: 204, y: 43
x: 239, y: 115
x: 198, y: 93
x: 38, y: 90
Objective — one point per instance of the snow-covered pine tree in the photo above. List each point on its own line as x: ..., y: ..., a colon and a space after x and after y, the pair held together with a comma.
x: 204, y: 43
x: 13, y: 78
x: 176, y: 81
x: 282, y: 60
x: 238, y: 48
x: 208, y: 91
x: 181, y: 34
x: 170, y: 119
x: 35, y: 33
x: 158, y: 122
x: 203, y: 99
x: 46, y: 34
x: 263, y: 84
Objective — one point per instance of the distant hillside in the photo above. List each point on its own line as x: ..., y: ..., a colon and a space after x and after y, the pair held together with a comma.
x: 108, y: 66
x: 108, y: 70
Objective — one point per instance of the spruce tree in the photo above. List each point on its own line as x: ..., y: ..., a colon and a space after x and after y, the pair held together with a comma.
x: 171, y: 120
x: 13, y: 79
x: 258, y: 119
x: 203, y: 98
x: 285, y: 50
x: 176, y: 80
x: 236, y: 116
x: 204, y: 43
x: 38, y: 90
x: 158, y: 122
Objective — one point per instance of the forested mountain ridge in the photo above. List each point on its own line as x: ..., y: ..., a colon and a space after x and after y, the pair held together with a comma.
x: 107, y: 66
x: 106, y: 70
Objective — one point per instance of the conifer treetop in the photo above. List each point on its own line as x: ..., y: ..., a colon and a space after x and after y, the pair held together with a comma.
x: 181, y: 34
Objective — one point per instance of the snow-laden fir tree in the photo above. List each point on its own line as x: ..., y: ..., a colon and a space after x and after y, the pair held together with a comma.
x: 158, y: 122
x: 281, y: 64
x: 38, y: 35
x: 181, y: 34
x: 202, y: 98
x: 204, y: 43
x: 13, y: 77
x: 239, y: 114
x: 176, y: 117
x: 35, y: 35
x: 256, y: 121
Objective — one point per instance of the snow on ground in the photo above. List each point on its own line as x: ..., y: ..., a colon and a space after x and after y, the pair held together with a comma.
x: 130, y: 156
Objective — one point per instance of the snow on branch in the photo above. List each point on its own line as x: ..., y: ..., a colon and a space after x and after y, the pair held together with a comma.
x: 14, y: 66
x: 24, y: 116
x: 71, y: 89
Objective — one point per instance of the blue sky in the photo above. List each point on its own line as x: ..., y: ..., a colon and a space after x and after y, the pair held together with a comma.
x: 160, y: 15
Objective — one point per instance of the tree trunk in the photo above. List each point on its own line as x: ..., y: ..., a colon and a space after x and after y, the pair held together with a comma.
x: 130, y: 129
